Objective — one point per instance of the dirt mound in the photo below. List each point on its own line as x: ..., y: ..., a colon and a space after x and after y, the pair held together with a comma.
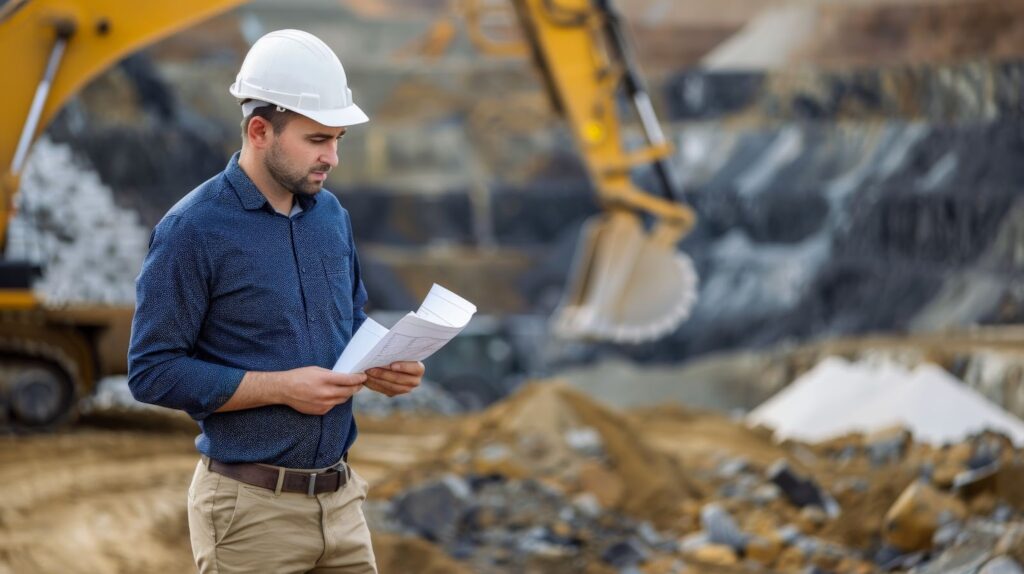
x: 699, y: 440
x: 552, y: 432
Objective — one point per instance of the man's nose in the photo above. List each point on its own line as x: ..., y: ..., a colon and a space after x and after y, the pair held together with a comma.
x: 330, y: 156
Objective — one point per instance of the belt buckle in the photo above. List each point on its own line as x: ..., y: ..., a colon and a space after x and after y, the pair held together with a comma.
x: 312, y: 485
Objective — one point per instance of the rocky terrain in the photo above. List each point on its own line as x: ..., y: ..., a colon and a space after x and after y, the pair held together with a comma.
x: 549, y: 480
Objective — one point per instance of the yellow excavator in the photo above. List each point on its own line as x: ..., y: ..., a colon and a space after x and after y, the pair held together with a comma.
x: 628, y: 283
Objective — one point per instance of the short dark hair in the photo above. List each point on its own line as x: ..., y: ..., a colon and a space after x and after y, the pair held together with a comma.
x: 278, y: 119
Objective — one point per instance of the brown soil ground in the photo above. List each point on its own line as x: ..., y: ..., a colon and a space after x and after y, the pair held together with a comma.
x: 95, y: 501
x: 109, y: 497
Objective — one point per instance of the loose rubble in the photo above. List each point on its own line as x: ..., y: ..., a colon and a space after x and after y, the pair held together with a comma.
x: 549, y: 480
x: 545, y: 481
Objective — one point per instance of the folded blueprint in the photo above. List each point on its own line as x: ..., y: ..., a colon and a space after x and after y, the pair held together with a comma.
x: 416, y: 336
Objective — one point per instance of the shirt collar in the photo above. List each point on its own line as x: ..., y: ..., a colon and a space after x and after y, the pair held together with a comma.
x: 250, y: 195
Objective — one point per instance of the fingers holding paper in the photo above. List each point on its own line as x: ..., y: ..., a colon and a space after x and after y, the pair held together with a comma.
x: 396, y: 379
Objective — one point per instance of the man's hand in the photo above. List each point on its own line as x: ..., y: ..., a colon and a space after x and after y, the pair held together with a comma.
x: 399, y: 378
x: 315, y: 390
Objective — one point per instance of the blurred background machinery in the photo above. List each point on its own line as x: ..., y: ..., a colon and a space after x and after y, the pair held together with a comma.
x: 630, y: 283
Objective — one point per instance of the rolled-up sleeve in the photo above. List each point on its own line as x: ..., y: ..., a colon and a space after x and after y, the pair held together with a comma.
x: 172, y: 299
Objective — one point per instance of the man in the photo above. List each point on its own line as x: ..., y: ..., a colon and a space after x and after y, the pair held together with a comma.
x: 249, y: 293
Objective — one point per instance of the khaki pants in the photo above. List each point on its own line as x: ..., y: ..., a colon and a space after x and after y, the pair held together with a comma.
x: 236, y: 527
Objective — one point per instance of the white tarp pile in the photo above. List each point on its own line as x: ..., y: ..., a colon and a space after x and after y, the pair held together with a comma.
x: 837, y: 397
x: 91, y: 249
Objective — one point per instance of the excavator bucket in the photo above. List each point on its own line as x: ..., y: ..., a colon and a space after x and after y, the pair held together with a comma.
x: 626, y: 285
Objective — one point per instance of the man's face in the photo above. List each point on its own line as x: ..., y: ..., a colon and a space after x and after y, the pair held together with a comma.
x: 300, y: 157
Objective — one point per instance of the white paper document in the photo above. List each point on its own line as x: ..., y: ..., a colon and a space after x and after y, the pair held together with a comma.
x: 441, y: 316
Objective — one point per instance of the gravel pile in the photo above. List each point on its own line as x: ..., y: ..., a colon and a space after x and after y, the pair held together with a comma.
x: 91, y: 250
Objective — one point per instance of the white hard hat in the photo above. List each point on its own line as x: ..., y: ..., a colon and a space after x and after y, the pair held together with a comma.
x: 297, y: 71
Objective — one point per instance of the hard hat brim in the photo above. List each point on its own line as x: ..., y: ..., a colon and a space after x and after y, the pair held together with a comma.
x: 338, y: 118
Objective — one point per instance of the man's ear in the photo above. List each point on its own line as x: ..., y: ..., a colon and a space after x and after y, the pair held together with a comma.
x: 259, y: 131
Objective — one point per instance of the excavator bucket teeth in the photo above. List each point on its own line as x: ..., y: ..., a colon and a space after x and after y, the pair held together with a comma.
x: 626, y: 285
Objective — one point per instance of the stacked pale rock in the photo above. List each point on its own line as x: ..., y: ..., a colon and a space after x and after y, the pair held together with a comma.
x: 91, y: 250
x: 838, y: 397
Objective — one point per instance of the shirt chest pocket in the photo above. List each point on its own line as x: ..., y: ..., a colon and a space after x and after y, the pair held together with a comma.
x: 337, y: 267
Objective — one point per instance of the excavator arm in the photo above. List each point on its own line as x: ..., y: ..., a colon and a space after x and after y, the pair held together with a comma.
x: 628, y: 282
x: 62, y: 44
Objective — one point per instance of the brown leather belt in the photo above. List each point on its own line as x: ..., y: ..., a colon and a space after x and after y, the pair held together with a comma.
x: 280, y: 479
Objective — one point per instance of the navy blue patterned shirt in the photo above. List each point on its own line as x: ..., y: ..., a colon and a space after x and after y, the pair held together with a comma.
x: 229, y: 286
